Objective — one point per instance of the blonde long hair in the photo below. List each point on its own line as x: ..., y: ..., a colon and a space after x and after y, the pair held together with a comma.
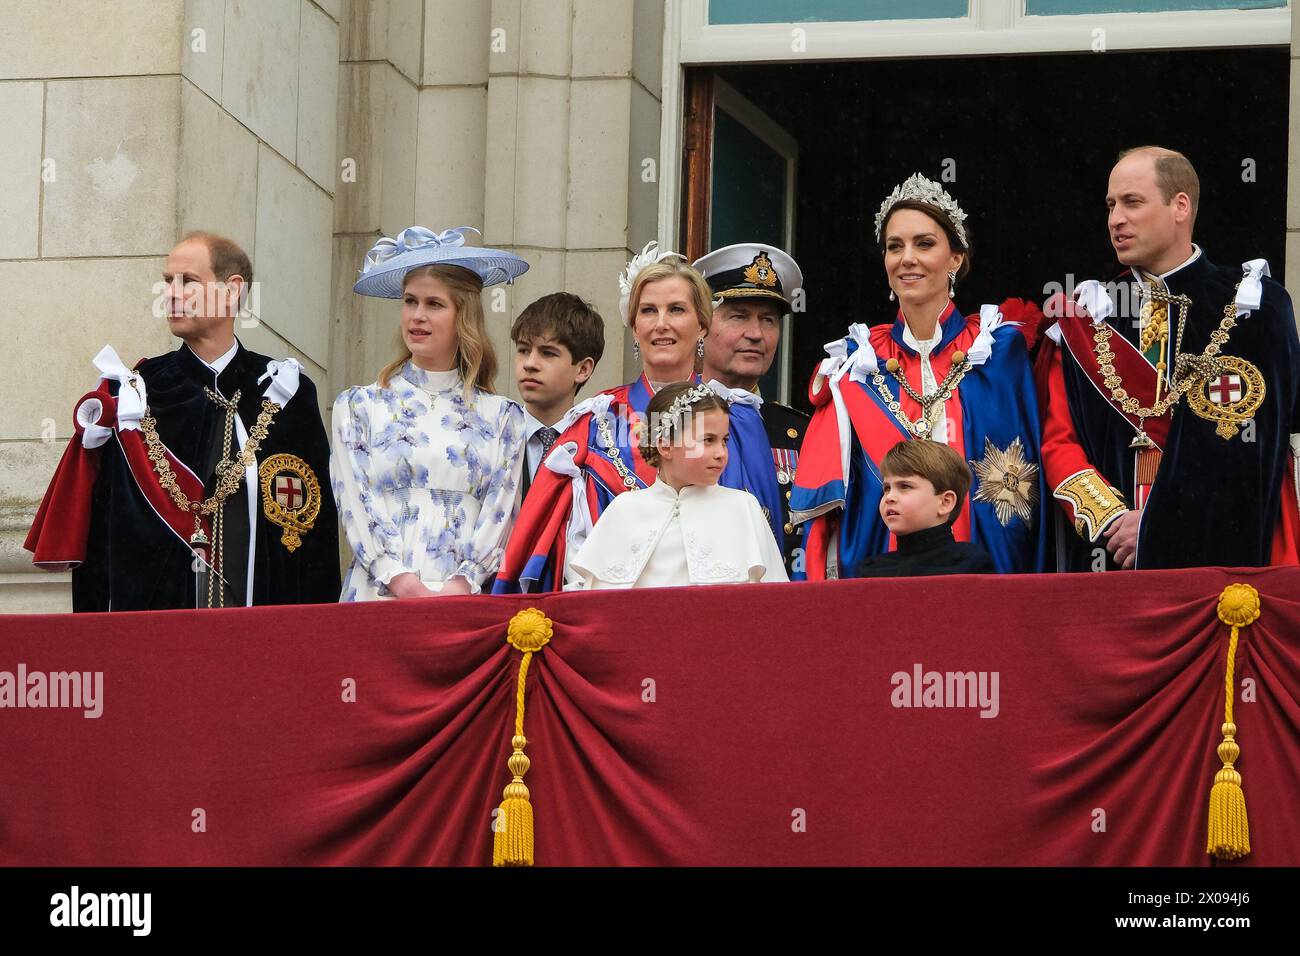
x: 476, y: 359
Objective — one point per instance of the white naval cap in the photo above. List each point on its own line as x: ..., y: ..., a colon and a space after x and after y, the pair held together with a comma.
x: 751, y: 270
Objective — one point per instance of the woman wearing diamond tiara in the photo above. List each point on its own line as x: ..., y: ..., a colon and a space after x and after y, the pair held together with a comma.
x: 931, y: 373
x: 684, y: 529
x: 426, y: 461
x: 668, y: 306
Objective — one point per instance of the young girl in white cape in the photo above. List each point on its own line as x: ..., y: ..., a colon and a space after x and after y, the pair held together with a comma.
x: 683, y: 529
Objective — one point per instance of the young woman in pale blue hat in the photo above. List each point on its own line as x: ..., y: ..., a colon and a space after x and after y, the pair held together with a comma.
x: 426, y: 461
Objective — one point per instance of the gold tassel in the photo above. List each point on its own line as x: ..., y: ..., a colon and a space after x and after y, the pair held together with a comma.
x: 1229, y: 831
x: 512, y: 836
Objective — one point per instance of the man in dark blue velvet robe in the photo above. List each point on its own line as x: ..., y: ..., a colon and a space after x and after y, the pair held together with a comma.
x: 155, y: 440
x: 1172, y: 393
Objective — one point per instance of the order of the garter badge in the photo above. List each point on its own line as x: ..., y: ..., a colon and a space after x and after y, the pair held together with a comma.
x: 1230, y: 397
x: 290, y: 496
x: 1007, y: 482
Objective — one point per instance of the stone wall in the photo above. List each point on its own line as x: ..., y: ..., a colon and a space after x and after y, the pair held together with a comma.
x: 127, y: 125
x: 529, y: 119
x: 304, y: 129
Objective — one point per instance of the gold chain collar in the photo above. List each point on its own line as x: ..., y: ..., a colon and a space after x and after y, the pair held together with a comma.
x: 231, y: 476
x: 923, y: 426
x: 1189, y: 370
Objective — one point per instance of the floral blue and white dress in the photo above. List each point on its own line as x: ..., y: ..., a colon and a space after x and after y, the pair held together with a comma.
x: 425, y: 480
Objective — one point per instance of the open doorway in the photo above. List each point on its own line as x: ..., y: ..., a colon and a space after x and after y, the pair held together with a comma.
x: 1024, y: 143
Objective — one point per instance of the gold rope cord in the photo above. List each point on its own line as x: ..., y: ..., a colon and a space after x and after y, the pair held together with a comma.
x: 1229, y: 831
x: 512, y: 831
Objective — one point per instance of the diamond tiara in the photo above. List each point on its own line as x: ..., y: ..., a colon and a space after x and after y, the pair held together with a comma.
x: 927, y: 191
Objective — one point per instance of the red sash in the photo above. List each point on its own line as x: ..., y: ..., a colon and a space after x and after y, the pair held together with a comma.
x: 59, y: 533
x: 136, y: 453
x: 878, y: 430
x: 1138, y: 375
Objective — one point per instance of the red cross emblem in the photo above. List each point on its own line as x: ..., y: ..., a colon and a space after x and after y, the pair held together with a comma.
x: 1225, y: 389
x: 288, y: 492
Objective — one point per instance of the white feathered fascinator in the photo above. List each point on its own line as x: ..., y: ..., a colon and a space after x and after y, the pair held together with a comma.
x: 627, y: 278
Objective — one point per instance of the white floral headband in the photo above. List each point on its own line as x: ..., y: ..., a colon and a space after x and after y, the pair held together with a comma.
x: 627, y: 278
x: 670, y: 419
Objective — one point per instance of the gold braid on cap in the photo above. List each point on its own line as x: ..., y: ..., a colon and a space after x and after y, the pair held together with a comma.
x: 929, y: 192
x: 668, y: 420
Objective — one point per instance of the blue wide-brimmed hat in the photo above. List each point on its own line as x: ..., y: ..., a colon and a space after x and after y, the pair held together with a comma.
x: 389, y: 260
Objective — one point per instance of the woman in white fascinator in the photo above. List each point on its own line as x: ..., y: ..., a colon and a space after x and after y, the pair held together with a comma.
x: 667, y: 305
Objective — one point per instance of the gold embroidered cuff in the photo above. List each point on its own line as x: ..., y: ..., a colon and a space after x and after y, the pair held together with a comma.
x: 1095, y: 503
